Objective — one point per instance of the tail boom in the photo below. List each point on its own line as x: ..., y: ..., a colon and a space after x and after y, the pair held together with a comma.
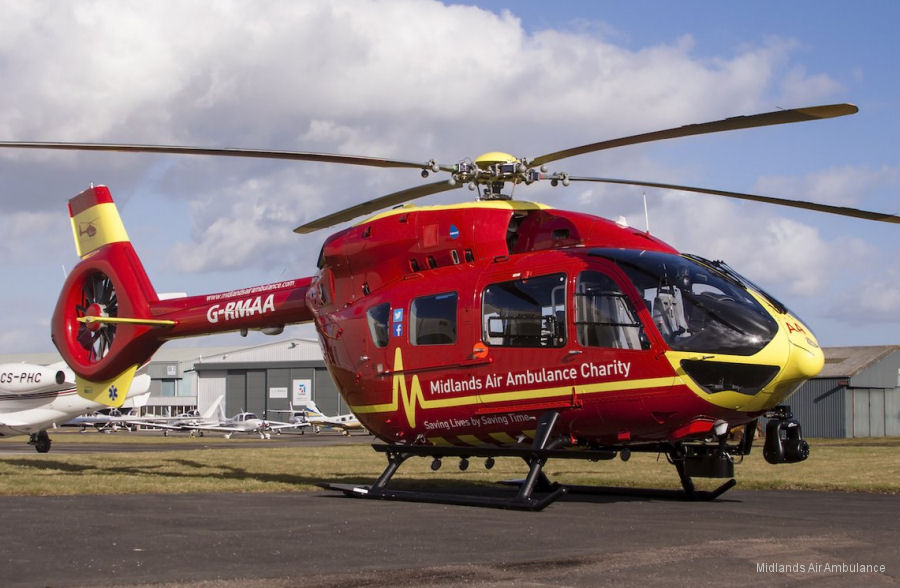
x: 269, y: 306
x: 109, y: 318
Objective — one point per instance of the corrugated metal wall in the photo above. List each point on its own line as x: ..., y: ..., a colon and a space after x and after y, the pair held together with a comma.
x: 821, y: 407
x: 209, y: 388
x: 868, y: 412
x: 828, y: 408
x: 251, y: 389
x: 892, y: 412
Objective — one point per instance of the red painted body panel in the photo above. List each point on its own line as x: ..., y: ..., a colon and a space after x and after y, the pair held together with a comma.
x: 467, y: 391
x: 391, y: 256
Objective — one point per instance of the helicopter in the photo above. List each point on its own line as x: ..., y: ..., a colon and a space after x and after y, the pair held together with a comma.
x: 486, y: 329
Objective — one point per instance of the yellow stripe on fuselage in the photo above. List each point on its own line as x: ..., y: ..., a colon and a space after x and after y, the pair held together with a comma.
x: 411, y: 398
x: 481, y: 204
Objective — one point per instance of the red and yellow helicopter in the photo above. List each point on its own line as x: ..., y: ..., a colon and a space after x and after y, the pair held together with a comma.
x: 488, y: 329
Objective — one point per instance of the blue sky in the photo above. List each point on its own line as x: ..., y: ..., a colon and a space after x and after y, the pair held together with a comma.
x: 415, y: 79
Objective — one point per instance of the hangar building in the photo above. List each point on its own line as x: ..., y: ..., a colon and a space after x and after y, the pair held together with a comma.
x: 857, y: 394
x: 257, y: 379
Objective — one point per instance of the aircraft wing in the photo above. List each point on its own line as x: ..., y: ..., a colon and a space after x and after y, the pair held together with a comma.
x: 222, y: 428
x: 275, y: 425
x: 96, y: 420
x: 162, y: 425
x: 340, y: 424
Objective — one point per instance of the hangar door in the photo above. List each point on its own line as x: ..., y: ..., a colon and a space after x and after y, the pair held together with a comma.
x: 245, y: 390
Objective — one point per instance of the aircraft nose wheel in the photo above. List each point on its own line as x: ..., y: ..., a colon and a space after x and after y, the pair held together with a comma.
x: 41, y: 441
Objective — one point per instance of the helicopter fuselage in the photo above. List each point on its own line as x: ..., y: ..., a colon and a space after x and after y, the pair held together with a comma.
x: 462, y: 324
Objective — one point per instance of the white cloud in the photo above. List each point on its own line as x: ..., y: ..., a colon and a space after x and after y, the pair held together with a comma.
x: 763, y: 247
x: 871, y: 301
x: 248, y: 224
x: 29, y: 236
x: 844, y: 186
x: 405, y: 79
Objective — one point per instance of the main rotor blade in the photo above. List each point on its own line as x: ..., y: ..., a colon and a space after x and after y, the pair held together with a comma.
x: 257, y: 153
x: 777, y: 117
x: 841, y: 210
x: 375, y: 205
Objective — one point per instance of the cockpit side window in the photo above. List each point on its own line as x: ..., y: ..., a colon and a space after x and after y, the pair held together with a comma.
x: 604, y: 317
x: 530, y: 312
x: 377, y: 317
x: 433, y: 319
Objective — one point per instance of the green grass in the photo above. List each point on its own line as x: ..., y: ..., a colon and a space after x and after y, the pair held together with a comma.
x: 248, y: 465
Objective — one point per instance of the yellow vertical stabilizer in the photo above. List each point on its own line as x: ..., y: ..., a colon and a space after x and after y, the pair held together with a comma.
x: 95, y: 220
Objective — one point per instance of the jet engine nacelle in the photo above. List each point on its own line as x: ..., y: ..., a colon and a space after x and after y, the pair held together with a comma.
x: 22, y: 378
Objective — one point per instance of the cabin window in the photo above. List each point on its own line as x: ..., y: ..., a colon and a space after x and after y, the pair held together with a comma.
x: 604, y: 317
x: 378, y: 317
x: 432, y: 319
x: 525, y: 313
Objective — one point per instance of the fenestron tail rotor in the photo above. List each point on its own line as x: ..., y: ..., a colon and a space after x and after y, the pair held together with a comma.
x: 98, y: 299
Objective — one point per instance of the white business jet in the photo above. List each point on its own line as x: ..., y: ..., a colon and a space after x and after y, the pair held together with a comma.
x: 34, y: 398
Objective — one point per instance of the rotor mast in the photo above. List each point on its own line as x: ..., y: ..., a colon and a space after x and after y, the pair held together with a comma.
x: 494, y: 169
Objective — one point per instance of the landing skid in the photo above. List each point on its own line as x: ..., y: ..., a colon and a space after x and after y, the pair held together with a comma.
x: 524, y: 499
x: 536, y: 491
x: 689, y: 495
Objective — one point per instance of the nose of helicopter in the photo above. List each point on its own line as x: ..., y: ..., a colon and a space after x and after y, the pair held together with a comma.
x: 806, y: 356
x: 804, y: 361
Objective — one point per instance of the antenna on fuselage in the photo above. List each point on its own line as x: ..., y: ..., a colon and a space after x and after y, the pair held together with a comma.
x: 646, y: 214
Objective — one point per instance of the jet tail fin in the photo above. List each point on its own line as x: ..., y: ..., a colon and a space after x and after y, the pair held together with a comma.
x: 312, y: 409
x: 213, y: 409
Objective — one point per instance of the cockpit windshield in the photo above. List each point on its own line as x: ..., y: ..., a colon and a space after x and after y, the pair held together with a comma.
x: 694, y: 306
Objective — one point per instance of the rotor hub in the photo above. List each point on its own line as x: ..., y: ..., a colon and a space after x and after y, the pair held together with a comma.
x: 493, y: 158
x: 95, y: 310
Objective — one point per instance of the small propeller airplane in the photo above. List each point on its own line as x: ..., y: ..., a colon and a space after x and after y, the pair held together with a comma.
x: 105, y: 420
x: 249, y: 422
x: 319, y: 420
x: 34, y: 398
x: 191, y: 421
x: 494, y: 328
